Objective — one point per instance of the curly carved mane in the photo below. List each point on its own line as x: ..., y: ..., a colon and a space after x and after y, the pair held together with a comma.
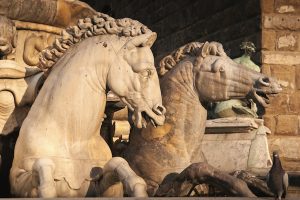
x: 194, y: 49
x: 99, y: 24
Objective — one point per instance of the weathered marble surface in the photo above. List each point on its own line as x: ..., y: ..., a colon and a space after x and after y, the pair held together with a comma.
x: 19, y: 84
x: 59, y: 151
x: 18, y: 89
x: 195, y: 73
x: 26, y: 28
x: 244, y: 150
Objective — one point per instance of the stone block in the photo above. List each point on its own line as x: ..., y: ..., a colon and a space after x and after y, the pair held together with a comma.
x: 281, y: 22
x: 235, y: 154
x: 295, y: 102
x: 278, y: 105
x: 285, y: 76
x: 288, y: 147
x: 287, y: 6
x: 268, y: 40
x: 267, y: 6
x: 122, y: 128
x: 230, y: 125
x: 270, y: 122
x: 246, y: 150
x: 297, y: 77
x: 287, y: 41
x: 266, y: 69
x: 281, y: 57
x: 286, y: 125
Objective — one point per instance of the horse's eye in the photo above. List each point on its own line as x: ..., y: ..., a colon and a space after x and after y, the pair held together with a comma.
x: 146, y: 73
x: 222, y: 69
x: 218, y: 68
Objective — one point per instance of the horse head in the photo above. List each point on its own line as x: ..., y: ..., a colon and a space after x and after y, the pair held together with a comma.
x: 134, y: 79
x: 218, y: 78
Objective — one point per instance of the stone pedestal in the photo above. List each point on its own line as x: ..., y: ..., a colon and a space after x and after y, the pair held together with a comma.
x: 232, y: 144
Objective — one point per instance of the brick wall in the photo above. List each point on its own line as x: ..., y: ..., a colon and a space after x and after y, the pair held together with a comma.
x: 281, y: 59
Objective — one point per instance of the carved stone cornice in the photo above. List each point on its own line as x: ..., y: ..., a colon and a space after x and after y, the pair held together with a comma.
x: 59, y: 13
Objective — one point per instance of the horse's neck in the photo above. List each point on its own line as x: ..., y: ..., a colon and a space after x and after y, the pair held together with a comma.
x: 88, y: 61
x: 184, y: 111
x: 74, y: 92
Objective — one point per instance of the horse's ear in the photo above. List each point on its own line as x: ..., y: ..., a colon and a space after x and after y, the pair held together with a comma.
x: 205, y: 49
x: 151, y: 39
x: 202, y: 53
x: 141, y: 40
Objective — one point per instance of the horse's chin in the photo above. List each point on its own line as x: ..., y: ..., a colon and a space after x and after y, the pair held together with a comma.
x: 138, y: 120
x: 261, y: 98
x: 144, y: 114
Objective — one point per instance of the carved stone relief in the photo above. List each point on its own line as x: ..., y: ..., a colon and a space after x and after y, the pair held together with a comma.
x: 21, y: 41
x: 30, y: 44
x: 20, y: 79
x: 7, y: 37
x: 18, y: 89
x: 58, y: 13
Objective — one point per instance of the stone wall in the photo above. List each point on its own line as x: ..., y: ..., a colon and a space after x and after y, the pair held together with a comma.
x: 281, y: 59
x: 178, y: 22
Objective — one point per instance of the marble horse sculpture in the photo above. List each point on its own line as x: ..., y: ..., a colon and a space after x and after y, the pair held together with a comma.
x: 59, y: 152
x: 193, y: 74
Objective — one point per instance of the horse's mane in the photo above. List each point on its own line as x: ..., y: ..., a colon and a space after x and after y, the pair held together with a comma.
x: 99, y: 24
x: 191, y: 49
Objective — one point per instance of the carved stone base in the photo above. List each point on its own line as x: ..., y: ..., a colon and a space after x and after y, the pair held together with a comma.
x: 237, y: 144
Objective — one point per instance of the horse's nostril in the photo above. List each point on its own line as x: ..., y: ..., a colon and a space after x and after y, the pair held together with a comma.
x: 161, y: 109
x: 266, y: 80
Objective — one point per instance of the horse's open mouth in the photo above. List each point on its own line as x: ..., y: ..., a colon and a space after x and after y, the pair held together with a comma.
x: 262, y: 98
x: 148, y: 119
x: 141, y: 119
